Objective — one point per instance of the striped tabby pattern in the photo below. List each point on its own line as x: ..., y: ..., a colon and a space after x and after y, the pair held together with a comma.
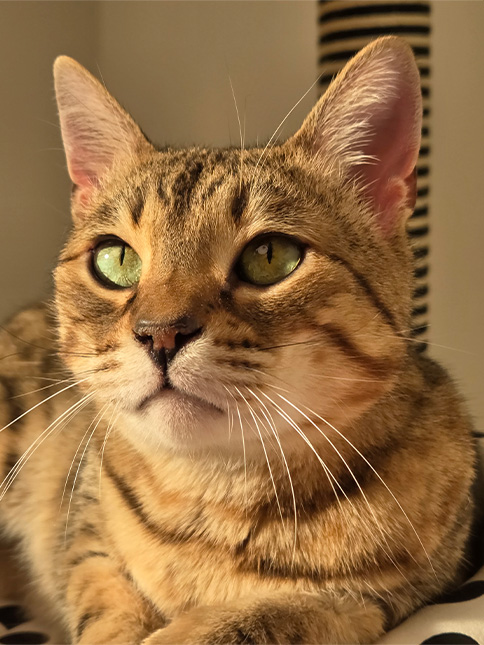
x: 203, y: 458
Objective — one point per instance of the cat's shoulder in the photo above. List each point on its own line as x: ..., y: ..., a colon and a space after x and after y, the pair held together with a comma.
x: 434, y: 374
x: 441, y: 396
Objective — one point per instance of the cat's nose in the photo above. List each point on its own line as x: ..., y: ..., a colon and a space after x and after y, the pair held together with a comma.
x: 163, y: 341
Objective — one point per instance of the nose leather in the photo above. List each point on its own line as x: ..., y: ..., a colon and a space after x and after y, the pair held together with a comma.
x: 164, y: 340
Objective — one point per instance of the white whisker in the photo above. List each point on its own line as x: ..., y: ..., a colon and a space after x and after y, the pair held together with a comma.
x: 276, y: 131
x: 100, y: 414
x: 73, y: 461
x: 294, y: 425
x: 41, y: 402
x: 109, y: 429
x: 380, y: 528
x: 272, y: 426
x: 40, y: 389
x: 13, y: 473
x: 376, y: 473
x: 265, y: 453
x: 243, y: 444
x: 241, y: 137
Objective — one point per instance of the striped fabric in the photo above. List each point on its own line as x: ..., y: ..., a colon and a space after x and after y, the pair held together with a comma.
x: 346, y: 27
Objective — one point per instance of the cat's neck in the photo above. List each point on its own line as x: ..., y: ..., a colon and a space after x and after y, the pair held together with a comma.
x: 331, y: 460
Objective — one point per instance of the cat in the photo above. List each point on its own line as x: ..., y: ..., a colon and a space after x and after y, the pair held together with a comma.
x: 223, y: 433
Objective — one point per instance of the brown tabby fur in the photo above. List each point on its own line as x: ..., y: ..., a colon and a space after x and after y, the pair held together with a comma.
x: 188, y: 538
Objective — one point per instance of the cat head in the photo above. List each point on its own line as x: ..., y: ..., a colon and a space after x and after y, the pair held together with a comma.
x: 205, y: 295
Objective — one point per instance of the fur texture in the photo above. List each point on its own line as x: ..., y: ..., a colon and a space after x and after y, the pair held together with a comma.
x: 297, y: 473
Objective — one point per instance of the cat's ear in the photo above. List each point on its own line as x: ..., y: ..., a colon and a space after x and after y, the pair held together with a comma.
x: 367, y: 126
x: 96, y: 131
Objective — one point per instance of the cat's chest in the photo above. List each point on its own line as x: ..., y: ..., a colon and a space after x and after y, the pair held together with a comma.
x: 183, y: 552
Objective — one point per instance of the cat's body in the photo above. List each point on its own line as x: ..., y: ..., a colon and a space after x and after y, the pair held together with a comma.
x: 201, y: 379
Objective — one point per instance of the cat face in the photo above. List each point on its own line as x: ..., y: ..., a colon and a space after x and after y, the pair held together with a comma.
x: 205, y: 295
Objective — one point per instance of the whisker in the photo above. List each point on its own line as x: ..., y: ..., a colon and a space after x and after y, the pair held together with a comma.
x: 375, y: 472
x: 294, y: 425
x: 272, y: 426
x: 13, y: 473
x: 318, y: 375
x: 382, y: 531
x: 276, y: 131
x: 73, y: 460
x: 231, y: 420
x: 265, y: 453
x: 44, y: 378
x: 41, y: 403
x: 243, y: 444
x: 110, y: 428
x: 380, y: 528
x: 40, y: 389
x: 427, y: 343
x: 100, y: 415
x: 46, y: 349
x: 319, y: 430
x: 2, y: 358
x: 240, y: 131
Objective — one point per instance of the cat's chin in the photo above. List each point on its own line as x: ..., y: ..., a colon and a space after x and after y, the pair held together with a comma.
x: 170, y: 418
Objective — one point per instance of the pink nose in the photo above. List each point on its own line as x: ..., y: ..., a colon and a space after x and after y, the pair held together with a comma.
x: 163, y: 341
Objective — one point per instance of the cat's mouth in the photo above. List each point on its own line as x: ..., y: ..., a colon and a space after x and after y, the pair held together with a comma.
x: 170, y: 392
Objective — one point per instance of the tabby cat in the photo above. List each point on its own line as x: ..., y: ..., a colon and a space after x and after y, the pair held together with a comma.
x: 221, y: 432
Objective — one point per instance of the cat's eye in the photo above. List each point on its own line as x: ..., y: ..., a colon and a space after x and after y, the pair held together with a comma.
x: 116, y: 264
x: 267, y: 259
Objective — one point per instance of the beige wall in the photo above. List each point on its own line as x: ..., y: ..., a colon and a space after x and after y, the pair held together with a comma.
x: 169, y: 63
x: 457, y: 223
x: 34, y: 189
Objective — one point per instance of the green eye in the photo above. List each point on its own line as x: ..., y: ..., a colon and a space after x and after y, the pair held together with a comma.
x: 116, y: 264
x: 268, y: 259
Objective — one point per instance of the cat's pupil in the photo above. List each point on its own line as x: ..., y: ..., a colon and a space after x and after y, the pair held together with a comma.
x: 115, y: 263
x: 265, y: 249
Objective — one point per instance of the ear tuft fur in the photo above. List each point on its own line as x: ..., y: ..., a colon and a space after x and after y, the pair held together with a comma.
x: 367, y: 126
x: 96, y: 131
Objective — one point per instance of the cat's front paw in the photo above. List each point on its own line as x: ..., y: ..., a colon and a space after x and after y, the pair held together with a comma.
x: 295, y: 618
x: 229, y: 626
x: 197, y: 629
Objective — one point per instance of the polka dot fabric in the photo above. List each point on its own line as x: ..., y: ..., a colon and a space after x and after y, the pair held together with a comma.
x: 17, y: 627
x: 457, y: 621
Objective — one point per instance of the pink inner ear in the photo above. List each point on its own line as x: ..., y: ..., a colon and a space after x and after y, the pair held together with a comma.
x: 82, y: 173
x: 84, y: 182
x: 389, y: 180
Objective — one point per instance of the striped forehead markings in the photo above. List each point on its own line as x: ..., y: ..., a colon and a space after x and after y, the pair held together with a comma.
x: 137, y: 205
x: 239, y: 202
x: 184, y: 185
x: 213, y: 185
x: 177, y: 185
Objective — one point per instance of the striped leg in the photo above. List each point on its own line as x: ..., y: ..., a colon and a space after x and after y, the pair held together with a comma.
x: 104, y: 605
x: 283, y: 618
